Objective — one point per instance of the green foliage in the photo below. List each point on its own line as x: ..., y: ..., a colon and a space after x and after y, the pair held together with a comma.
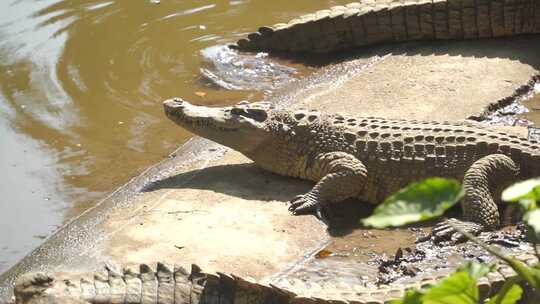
x: 526, y: 194
x: 430, y: 198
x: 525, y: 190
x: 459, y: 288
x: 419, y: 201
x: 532, y: 218
x: 535, y: 271
x: 507, y: 296
x: 411, y: 297
x: 476, y: 270
x: 529, y: 274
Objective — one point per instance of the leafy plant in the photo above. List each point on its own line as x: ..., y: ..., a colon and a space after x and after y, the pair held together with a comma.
x: 527, y: 195
x: 460, y: 288
x: 429, y: 199
x: 419, y: 201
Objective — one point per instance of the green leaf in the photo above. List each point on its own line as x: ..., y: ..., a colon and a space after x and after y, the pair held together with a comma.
x: 536, y: 191
x: 419, y: 201
x: 527, y: 204
x: 529, y: 274
x: 532, y: 218
x: 536, y: 278
x: 511, y: 296
x: 476, y: 270
x: 411, y: 297
x: 459, y: 288
x: 521, y: 190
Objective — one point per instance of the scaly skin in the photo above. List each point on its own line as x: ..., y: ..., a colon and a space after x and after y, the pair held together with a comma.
x: 168, y: 285
x: 365, y: 23
x: 369, y: 158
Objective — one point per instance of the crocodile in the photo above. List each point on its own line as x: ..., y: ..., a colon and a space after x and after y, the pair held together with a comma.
x: 165, y: 284
x: 369, y: 22
x: 369, y: 158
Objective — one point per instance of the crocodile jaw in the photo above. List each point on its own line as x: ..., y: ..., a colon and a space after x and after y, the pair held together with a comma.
x: 217, y: 124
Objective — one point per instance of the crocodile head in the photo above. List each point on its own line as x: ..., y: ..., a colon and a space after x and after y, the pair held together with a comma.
x: 41, y: 288
x: 32, y: 285
x: 243, y: 127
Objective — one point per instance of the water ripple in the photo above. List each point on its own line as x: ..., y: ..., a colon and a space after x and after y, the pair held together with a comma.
x: 232, y: 70
x: 189, y: 11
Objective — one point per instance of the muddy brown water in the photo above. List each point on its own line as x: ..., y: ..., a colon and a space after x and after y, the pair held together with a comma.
x: 81, y: 85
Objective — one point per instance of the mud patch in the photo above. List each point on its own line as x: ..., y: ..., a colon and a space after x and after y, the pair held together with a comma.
x: 427, y: 257
x: 342, y: 263
x: 520, y: 109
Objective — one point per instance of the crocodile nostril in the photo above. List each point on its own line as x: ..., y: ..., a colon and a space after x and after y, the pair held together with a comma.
x: 174, y: 103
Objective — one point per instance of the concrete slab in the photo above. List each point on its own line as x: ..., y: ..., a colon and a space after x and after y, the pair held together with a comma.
x: 449, y: 80
x: 226, y: 215
x: 209, y: 205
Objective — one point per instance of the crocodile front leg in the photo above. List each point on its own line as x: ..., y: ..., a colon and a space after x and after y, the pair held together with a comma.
x: 343, y: 177
x: 480, y: 212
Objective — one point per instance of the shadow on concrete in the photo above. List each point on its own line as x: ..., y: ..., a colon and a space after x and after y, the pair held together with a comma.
x: 245, y: 181
x: 249, y: 182
x: 521, y: 48
x: 345, y: 217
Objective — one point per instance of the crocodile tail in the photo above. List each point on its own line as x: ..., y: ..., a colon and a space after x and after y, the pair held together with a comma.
x: 164, y: 285
x: 362, y: 24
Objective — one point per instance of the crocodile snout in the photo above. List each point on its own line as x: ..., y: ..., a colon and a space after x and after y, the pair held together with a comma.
x: 174, y: 103
x: 174, y: 106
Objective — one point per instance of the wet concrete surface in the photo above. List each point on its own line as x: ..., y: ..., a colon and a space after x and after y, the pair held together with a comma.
x: 185, y: 211
x: 369, y: 258
x: 366, y: 258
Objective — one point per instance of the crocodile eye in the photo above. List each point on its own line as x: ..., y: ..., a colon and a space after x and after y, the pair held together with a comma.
x: 259, y: 115
x: 238, y: 111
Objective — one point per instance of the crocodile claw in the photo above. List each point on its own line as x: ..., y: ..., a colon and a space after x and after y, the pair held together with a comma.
x: 306, y: 204
x: 303, y: 204
x: 445, y: 231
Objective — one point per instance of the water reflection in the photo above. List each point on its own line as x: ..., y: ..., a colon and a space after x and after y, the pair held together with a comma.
x: 81, y: 82
x: 30, y: 205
